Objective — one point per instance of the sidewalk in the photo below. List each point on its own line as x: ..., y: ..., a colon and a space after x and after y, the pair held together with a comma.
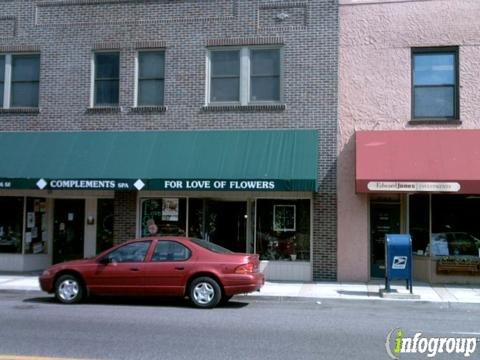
x: 319, y: 290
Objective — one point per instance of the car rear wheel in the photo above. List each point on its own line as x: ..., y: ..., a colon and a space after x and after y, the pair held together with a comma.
x: 205, y: 292
x: 68, y: 289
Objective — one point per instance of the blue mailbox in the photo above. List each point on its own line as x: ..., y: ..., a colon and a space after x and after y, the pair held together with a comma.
x: 399, y: 260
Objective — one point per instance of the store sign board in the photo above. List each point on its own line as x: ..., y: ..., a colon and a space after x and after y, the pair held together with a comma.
x: 404, y: 186
x: 159, y: 184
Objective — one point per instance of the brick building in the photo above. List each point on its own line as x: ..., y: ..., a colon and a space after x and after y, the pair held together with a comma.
x: 213, y: 118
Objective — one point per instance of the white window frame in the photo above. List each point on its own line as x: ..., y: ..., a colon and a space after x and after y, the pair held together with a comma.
x: 7, y: 82
x: 137, y: 75
x: 275, y: 228
x: 92, y: 76
x: 245, y: 87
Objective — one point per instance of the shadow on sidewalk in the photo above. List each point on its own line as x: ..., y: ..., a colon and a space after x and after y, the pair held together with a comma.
x: 358, y: 293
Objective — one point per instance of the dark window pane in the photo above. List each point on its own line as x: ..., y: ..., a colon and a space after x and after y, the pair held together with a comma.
x: 106, y: 92
x: 134, y: 252
x: 283, y: 229
x: 11, y: 224
x: 2, y: 68
x: 225, y: 89
x: 170, y: 251
x: 265, y: 62
x: 150, y: 92
x: 419, y: 222
x: 151, y: 65
x: 225, y: 63
x: 265, y: 88
x: 1, y: 94
x: 434, y: 102
x: 107, y: 65
x: 25, y: 68
x: 434, y: 69
x: 24, y: 94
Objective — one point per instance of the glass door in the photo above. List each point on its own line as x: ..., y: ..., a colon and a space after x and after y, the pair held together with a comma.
x: 384, y: 219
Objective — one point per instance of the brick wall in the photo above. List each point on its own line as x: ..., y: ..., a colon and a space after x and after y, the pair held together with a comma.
x: 66, y: 33
x: 124, y: 219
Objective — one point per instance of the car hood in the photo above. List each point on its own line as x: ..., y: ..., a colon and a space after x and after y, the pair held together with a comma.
x: 72, y: 263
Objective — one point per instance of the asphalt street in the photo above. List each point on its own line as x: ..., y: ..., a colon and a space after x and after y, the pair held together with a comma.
x: 33, y: 324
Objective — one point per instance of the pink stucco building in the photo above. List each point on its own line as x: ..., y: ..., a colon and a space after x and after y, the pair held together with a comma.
x: 409, y: 148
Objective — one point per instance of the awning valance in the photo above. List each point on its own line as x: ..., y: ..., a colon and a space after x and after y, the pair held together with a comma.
x: 418, y: 160
x: 240, y: 160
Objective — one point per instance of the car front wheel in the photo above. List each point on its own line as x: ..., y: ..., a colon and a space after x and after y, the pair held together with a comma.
x: 68, y: 289
x: 205, y: 292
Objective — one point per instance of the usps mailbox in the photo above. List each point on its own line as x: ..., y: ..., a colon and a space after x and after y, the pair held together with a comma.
x: 398, y: 256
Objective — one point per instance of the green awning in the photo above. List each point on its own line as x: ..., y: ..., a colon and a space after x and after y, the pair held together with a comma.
x: 245, y: 160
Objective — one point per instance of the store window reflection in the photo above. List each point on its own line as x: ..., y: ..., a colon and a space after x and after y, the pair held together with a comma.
x: 36, y: 223
x: 163, y: 216
x: 455, y: 225
x: 11, y: 222
x: 419, y: 220
x: 283, y: 230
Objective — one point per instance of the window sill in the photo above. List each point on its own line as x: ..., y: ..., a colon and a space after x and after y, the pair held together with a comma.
x: 435, y: 122
x: 247, y: 108
x: 103, y: 110
x: 25, y: 110
x: 148, y: 109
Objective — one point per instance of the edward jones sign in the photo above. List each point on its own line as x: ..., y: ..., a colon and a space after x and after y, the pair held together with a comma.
x: 404, y: 186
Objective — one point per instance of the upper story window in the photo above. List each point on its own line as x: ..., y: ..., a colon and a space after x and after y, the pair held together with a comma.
x: 107, y: 79
x: 244, y: 76
x: 435, y: 84
x: 19, y: 80
x: 151, y: 78
x: 265, y: 75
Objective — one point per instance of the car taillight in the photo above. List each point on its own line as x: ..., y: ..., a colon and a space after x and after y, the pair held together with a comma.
x: 244, y: 269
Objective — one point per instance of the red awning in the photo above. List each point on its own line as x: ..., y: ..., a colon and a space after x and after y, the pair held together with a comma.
x: 418, y: 160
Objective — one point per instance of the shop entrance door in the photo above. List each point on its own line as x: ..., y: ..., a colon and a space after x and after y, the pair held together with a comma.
x: 226, y: 224
x: 384, y: 219
x: 68, y: 230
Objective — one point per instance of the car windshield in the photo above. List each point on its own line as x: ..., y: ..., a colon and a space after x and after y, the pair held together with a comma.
x: 211, y: 246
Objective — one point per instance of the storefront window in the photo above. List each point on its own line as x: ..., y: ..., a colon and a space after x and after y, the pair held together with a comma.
x: 419, y: 220
x: 455, y: 225
x: 164, y: 216
x: 196, y: 224
x: 11, y: 222
x: 36, y: 226
x: 283, y: 229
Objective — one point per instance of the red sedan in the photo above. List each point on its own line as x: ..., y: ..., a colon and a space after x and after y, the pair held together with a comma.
x: 158, y: 266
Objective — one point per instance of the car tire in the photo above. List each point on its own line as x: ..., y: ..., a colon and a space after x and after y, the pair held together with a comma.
x: 205, y: 292
x: 69, y: 289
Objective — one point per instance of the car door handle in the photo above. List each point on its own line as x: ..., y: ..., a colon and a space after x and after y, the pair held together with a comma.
x: 179, y: 268
x: 134, y: 269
